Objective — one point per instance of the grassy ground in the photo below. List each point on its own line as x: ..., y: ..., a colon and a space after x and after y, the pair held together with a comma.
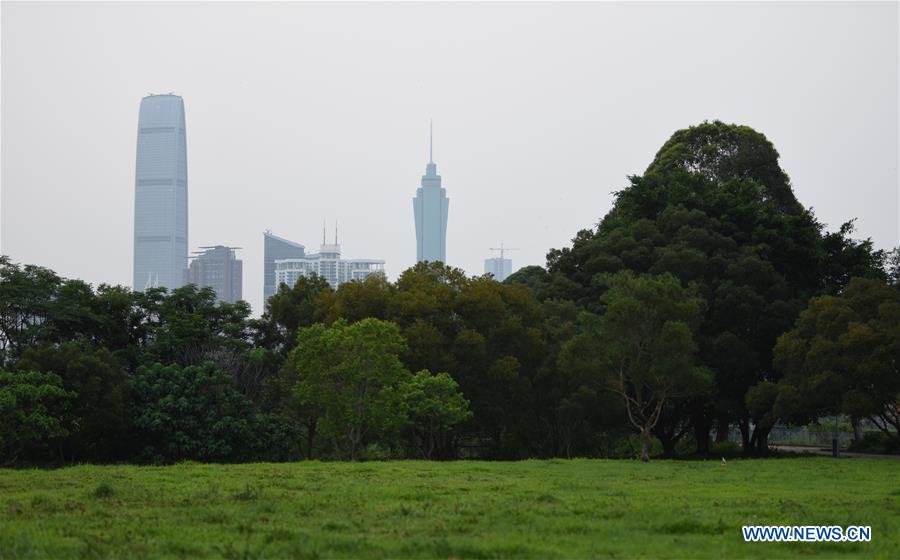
x: 537, y: 509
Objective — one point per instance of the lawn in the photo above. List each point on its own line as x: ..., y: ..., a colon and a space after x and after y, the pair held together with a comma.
x: 533, y: 509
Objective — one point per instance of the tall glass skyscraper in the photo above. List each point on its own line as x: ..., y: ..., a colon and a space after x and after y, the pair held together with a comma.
x: 160, y: 194
x: 275, y: 247
x: 430, y: 207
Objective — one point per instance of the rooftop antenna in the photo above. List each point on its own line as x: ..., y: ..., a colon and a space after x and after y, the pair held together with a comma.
x: 335, y: 232
x: 430, y: 141
x: 323, y: 232
x: 503, y: 249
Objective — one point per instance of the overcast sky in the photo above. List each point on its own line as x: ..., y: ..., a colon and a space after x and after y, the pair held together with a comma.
x: 302, y: 112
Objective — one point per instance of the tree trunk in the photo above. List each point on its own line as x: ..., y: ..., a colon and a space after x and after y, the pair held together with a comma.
x: 857, y: 429
x: 645, y: 445
x: 701, y: 433
x: 762, y: 440
x: 311, y: 424
x: 745, y: 436
x: 668, y: 445
x: 722, y: 430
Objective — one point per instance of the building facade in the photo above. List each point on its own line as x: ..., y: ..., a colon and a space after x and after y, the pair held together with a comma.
x: 160, y: 194
x: 217, y: 268
x: 275, y: 247
x: 501, y: 268
x: 328, y: 264
x: 430, y: 209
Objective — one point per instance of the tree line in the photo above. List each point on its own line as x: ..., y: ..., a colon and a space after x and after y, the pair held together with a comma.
x: 707, y: 298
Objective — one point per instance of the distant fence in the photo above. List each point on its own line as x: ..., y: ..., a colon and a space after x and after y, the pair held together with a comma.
x: 800, y: 436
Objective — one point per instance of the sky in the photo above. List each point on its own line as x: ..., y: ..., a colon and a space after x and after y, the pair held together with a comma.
x: 301, y: 112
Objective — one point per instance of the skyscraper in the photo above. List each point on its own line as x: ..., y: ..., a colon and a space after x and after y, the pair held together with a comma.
x: 217, y: 268
x: 276, y: 248
x: 160, y: 194
x: 430, y: 207
x: 501, y: 268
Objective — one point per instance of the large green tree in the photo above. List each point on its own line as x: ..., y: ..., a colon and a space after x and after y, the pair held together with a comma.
x: 350, y: 374
x: 643, y: 349
x: 715, y: 210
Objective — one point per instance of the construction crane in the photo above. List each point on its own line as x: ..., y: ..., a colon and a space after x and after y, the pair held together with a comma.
x: 502, y: 249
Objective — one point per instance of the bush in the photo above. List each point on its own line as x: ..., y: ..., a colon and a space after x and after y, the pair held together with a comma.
x: 876, y: 442
x: 726, y: 449
x: 629, y: 447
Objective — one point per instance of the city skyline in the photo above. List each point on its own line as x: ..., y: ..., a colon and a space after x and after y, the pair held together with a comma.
x: 542, y: 114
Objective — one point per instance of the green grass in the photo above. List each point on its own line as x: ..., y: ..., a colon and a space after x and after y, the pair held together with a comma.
x: 529, y: 509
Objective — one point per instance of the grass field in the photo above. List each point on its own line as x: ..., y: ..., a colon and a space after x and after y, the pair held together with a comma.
x: 535, y: 509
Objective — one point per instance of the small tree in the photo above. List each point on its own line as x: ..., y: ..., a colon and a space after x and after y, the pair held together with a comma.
x: 644, y: 349
x: 433, y: 406
x: 350, y: 373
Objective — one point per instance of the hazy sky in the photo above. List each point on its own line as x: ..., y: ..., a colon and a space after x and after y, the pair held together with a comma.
x: 302, y: 112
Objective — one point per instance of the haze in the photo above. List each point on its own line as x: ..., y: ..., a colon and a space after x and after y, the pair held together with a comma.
x: 299, y: 113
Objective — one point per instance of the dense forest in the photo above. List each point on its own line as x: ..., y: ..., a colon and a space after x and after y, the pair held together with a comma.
x: 707, y: 299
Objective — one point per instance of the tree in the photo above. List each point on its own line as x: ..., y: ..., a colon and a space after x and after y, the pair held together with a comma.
x: 99, y: 388
x: 349, y: 375
x: 290, y: 309
x: 846, y: 258
x: 26, y: 296
x: 841, y: 357
x: 433, y: 405
x: 33, y: 411
x: 486, y: 335
x: 715, y: 210
x: 191, y: 412
x: 643, y: 349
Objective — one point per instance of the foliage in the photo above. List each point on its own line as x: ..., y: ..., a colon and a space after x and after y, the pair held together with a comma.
x: 715, y: 210
x: 99, y: 388
x: 433, y: 406
x: 841, y: 357
x: 642, y: 348
x: 486, y: 335
x: 33, y: 411
x: 190, y: 413
x: 351, y: 374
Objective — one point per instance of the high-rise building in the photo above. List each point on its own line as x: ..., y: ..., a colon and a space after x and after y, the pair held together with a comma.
x: 501, y: 268
x: 160, y: 194
x: 276, y: 248
x: 217, y: 267
x: 328, y: 264
x: 430, y: 207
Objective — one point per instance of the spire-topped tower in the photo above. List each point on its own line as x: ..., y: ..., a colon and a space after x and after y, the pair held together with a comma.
x: 431, y: 207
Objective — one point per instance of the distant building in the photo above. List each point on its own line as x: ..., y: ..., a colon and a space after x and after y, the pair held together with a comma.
x: 501, y: 268
x: 430, y: 207
x: 276, y: 248
x: 217, y: 268
x: 328, y: 264
x: 160, y: 194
